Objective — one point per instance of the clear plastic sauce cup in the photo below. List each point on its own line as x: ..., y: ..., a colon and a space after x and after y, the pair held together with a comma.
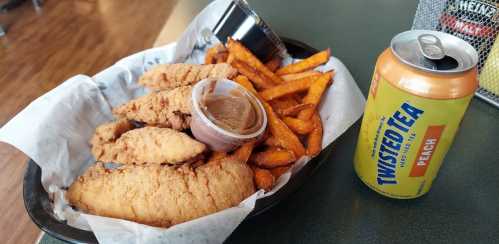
x: 225, y: 115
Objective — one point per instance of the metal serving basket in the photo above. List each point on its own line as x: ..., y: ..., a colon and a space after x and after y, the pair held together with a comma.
x: 38, y: 205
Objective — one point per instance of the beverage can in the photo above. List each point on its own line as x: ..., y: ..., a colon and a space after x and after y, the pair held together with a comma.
x: 421, y: 87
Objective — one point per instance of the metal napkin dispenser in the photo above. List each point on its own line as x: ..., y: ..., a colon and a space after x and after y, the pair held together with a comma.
x: 240, y: 22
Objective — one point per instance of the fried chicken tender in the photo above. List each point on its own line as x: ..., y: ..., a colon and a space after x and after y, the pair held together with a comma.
x: 106, y: 134
x: 170, y: 108
x: 148, y: 145
x: 111, y: 131
x: 168, y: 76
x: 160, y: 195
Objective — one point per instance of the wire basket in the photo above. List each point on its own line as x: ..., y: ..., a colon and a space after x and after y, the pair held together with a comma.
x: 475, y: 21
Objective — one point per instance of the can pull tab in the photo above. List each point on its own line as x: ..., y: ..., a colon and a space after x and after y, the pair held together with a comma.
x: 431, y: 47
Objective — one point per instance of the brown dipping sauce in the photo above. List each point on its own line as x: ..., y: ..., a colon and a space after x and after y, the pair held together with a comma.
x: 235, y: 112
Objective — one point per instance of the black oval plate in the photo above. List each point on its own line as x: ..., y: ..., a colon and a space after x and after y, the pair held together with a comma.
x: 37, y: 202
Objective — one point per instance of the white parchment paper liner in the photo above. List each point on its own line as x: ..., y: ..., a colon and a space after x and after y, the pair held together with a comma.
x: 55, y: 128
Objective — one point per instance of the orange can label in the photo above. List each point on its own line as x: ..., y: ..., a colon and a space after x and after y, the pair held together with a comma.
x: 426, y: 150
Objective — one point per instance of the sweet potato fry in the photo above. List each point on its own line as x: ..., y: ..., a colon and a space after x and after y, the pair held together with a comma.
x: 286, y: 138
x: 272, y: 142
x: 263, y: 179
x: 210, y: 57
x: 301, y: 75
x: 274, y: 157
x: 287, y: 88
x: 221, y: 57
x: 295, y: 109
x: 242, y: 53
x: 306, y: 64
x: 273, y: 64
x: 282, y: 133
x: 261, y: 140
x: 283, y: 103
x: 314, y: 139
x: 243, y: 153
x: 275, y: 125
x: 278, y: 171
x: 299, y: 126
x: 252, y: 74
x: 230, y: 58
x: 314, y: 95
x: 244, y: 81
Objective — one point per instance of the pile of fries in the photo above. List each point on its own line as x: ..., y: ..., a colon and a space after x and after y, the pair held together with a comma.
x: 290, y: 96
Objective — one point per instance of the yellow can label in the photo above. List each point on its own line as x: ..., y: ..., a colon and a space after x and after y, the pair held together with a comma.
x: 404, y: 138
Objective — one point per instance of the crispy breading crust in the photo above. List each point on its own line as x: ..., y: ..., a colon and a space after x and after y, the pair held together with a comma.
x: 160, y: 195
x: 111, y: 131
x: 105, y: 135
x: 168, y: 76
x: 171, y: 109
x: 149, y: 145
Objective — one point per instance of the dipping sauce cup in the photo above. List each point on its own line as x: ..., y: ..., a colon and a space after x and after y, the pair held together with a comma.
x: 225, y: 115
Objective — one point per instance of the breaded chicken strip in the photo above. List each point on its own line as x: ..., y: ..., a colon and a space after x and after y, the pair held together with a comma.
x: 160, y: 195
x: 105, y: 135
x: 171, y: 109
x: 111, y: 131
x: 149, y: 145
x: 168, y: 76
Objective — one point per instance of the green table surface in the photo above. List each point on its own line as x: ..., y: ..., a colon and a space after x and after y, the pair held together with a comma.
x: 334, y: 206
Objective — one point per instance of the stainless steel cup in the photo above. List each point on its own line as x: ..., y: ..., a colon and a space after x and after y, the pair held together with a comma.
x: 240, y: 22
